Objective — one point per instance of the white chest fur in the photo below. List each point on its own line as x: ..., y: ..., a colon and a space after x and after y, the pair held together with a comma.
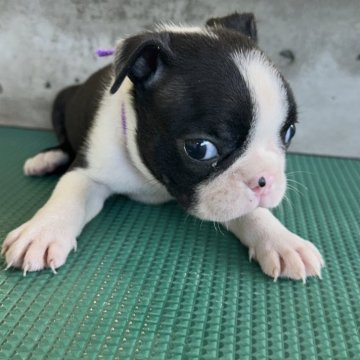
x: 112, y: 153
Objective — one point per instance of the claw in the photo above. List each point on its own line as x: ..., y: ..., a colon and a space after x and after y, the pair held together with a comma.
x: 318, y: 273
x: 26, y: 269
x: 276, y: 274
x: 251, y: 254
x: 8, y: 266
x: 52, y: 267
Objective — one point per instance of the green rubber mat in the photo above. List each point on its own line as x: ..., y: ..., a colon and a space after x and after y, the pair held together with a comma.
x: 149, y: 282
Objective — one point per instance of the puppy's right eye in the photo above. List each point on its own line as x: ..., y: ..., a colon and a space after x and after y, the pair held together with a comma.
x: 200, y: 149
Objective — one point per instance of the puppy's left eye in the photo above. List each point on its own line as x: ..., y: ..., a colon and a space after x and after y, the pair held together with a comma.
x: 200, y: 149
x: 290, y: 132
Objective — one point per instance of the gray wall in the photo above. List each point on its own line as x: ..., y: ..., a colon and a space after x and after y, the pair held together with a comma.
x: 46, y: 45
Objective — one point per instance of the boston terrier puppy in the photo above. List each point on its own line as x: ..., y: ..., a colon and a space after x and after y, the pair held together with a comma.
x: 196, y: 114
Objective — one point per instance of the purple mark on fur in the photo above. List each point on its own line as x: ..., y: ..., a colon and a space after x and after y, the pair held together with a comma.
x: 123, y: 119
x: 104, y: 52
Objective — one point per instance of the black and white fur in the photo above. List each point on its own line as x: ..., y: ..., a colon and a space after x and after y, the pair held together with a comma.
x: 140, y: 127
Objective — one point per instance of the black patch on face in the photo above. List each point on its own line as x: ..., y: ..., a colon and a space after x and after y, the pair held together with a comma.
x: 199, y: 95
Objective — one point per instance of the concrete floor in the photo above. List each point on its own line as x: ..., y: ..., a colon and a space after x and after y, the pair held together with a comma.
x: 48, y: 45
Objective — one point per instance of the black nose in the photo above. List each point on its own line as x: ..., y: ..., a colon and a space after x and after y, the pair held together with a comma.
x: 262, y: 182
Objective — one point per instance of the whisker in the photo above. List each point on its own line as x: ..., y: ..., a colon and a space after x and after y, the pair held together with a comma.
x: 214, y: 224
x: 288, y: 201
x: 294, y: 189
x: 298, y: 183
x: 186, y: 218
x: 218, y: 227
x: 299, y: 172
x: 221, y: 232
x: 292, y: 185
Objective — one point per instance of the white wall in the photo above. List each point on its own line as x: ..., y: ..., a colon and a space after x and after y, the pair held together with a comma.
x: 46, y: 45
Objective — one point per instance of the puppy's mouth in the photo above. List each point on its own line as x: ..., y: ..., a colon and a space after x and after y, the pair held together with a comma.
x: 224, y: 203
x: 266, y: 191
x: 264, y: 199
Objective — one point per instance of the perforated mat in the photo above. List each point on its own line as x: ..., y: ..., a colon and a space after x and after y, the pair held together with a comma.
x: 148, y: 282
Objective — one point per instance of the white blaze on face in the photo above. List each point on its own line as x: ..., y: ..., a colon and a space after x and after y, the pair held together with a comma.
x: 185, y: 29
x: 235, y: 192
x: 268, y: 95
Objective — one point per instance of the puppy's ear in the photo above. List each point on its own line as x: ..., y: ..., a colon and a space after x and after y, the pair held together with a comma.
x: 142, y: 58
x: 244, y: 23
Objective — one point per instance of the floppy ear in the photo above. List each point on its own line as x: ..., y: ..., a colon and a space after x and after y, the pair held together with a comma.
x: 244, y: 23
x: 142, y: 58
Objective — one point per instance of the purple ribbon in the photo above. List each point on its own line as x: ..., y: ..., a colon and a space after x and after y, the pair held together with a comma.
x: 123, y: 120
x: 104, y: 52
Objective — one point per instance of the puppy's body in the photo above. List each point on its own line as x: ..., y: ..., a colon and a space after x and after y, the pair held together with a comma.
x: 199, y: 115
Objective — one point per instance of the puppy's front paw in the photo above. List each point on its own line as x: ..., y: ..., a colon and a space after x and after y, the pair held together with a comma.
x: 288, y: 256
x: 37, y: 244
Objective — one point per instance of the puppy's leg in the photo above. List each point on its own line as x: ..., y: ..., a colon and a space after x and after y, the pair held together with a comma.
x: 46, y: 162
x: 58, y: 158
x: 47, y: 239
x: 278, y: 251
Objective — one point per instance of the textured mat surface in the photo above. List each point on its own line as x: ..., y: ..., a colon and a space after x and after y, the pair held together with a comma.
x: 148, y: 282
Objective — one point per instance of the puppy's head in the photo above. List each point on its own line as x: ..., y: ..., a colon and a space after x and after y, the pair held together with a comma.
x: 214, y: 117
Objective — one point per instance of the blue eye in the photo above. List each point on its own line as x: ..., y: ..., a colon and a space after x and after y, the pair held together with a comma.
x: 289, y: 134
x: 200, y: 149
